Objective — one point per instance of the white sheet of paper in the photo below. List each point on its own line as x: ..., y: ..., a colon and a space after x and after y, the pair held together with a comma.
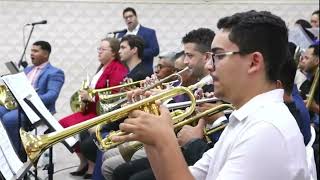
x: 10, y: 163
x: 22, y: 88
x: 299, y: 37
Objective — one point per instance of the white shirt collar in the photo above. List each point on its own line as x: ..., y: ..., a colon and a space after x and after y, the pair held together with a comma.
x: 134, y: 31
x: 256, y: 103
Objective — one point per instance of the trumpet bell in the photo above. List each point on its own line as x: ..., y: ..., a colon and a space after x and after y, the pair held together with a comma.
x: 33, y: 145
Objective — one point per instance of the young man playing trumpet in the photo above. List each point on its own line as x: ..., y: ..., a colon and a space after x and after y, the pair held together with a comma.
x: 262, y: 140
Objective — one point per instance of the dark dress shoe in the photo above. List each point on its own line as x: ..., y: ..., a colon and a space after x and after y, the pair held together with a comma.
x: 87, y: 176
x: 81, y: 172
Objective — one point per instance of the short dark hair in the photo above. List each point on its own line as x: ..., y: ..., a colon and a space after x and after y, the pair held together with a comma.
x: 263, y: 32
x: 315, y: 49
x: 287, y: 74
x: 44, y: 45
x: 202, y: 37
x: 316, y: 12
x: 129, y: 9
x: 134, y: 41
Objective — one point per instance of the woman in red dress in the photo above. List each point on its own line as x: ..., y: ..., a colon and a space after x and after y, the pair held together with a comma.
x: 112, y: 71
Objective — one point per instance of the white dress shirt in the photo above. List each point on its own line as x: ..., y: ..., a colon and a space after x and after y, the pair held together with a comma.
x: 261, y: 142
x: 95, y: 78
x: 35, y: 72
x: 134, y: 31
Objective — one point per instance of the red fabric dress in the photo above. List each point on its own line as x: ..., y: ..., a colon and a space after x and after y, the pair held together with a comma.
x: 115, y: 72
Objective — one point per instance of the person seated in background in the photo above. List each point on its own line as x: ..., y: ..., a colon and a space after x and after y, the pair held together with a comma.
x: 196, y: 48
x: 46, y: 79
x: 249, y: 49
x: 187, y: 78
x: 112, y: 158
x: 111, y: 72
x: 165, y: 66
x: 196, y: 45
x: 293, y: 101
x: 310, y: 63
x: 131, y: 53
x: 314, y: 20
x: 151, y: 46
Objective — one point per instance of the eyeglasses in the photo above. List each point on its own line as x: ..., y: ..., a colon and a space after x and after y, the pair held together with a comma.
x: 216, y: 57
x: 128, y: 17
x: 102, y: 49
x: 160, y: 66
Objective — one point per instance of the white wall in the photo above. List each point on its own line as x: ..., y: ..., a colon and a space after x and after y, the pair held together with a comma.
x: 75, y: 27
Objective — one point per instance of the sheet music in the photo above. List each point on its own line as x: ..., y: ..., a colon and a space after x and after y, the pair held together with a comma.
x: 21, y: 88
x: 10, y: 164
x: 299, y: 37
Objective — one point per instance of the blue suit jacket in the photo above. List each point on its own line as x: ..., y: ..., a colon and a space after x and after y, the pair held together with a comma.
x: 48, y: 85
x: 151, y: 46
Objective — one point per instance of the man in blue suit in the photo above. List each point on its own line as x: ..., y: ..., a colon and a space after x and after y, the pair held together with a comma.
x: 46, y: 80
x: 151, y: 46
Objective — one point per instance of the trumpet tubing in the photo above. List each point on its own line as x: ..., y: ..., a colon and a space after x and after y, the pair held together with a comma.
x: 208, y: 112
x: 313, y: 88
x: 127, y: 151
x: 187, y: 103
x: 106, y: 143
x: 34, y: 145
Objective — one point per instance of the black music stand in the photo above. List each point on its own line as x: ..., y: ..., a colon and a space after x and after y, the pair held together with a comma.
x: 50, y: 166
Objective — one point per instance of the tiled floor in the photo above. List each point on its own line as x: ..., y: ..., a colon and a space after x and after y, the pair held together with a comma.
x: 64, y: 163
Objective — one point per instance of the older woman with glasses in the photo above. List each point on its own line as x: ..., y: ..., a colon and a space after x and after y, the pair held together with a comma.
x: 111, y: 72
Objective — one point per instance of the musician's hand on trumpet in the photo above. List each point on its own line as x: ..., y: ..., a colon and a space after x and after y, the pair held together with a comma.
x: 205, y: 106
x: 188, y: 133
x: 145, y: 127
x: 84, y: 95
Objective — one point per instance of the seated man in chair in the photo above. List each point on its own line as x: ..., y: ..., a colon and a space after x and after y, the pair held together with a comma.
x: 46, y: 79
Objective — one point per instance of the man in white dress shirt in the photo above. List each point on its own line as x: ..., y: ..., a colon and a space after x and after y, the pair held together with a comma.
x: 262, y: 140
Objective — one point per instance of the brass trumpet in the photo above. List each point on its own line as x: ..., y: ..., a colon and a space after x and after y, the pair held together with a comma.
x: 6, y: 98
x: 35, y: 145
x: 104, y: 143
x: 108, y: 102
x: 128, y: 150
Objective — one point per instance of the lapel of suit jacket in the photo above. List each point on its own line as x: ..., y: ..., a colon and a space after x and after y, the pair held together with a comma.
x: 140, y: 31
x: 41, y: 73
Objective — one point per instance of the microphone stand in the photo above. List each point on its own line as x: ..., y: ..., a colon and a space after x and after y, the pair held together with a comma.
x: 21, y: 62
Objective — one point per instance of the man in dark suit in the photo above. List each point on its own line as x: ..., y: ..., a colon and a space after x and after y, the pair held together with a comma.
x: 46, y: 79
x: 151, y: 46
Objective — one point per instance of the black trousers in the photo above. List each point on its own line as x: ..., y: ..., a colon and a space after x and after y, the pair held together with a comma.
x: 87, y: 146
x: 136, y: 167
x: 140, y: 169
